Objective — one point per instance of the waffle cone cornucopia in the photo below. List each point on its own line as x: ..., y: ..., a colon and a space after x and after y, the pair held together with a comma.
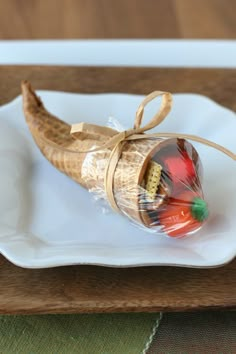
x: 139, y: 174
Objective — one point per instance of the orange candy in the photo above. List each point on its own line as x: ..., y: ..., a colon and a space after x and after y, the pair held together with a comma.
x: 183, y: 214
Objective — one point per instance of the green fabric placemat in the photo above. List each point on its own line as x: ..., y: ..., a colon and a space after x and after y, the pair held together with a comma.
x: 69, y: 334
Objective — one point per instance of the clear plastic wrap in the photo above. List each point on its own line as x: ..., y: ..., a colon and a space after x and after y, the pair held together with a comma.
x: 156, y: 184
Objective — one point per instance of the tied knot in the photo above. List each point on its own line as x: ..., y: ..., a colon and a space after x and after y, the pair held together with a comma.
x: 113, y: 137
x: 108, y: 138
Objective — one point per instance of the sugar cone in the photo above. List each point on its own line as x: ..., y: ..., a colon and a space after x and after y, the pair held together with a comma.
x: 54, y: 139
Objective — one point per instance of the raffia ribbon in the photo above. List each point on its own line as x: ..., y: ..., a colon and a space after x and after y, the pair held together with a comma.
x: 116, y: 140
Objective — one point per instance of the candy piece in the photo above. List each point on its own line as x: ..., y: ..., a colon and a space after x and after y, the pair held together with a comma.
x: 181, y: 168
x: 183, y: 214
x: 199, y: 209
x: 153, y: 177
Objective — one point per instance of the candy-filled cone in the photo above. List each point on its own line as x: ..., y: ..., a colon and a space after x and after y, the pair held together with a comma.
x: 149, y: 175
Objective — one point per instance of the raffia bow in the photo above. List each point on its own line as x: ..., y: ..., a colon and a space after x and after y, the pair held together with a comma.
x: 116, y: 140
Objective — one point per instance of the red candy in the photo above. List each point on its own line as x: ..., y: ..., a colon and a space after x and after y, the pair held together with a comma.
x: 181, y: 166
x: 180, y: 169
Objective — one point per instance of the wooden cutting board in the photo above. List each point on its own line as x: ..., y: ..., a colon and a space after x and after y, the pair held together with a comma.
x: 80, y: 289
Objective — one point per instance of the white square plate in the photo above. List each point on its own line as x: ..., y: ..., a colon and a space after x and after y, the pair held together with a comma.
x: 48, y: 220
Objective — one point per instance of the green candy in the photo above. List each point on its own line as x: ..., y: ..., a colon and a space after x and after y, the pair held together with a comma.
x: 199, y: 209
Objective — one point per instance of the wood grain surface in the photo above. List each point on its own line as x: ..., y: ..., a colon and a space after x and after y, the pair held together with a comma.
x: 36, y: 19
x: 97, y: 289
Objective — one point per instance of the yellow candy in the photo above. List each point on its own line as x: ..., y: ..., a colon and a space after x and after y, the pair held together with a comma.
x: 153, y: 177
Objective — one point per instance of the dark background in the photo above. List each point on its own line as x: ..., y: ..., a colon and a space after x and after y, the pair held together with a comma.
x: 40, y: 19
